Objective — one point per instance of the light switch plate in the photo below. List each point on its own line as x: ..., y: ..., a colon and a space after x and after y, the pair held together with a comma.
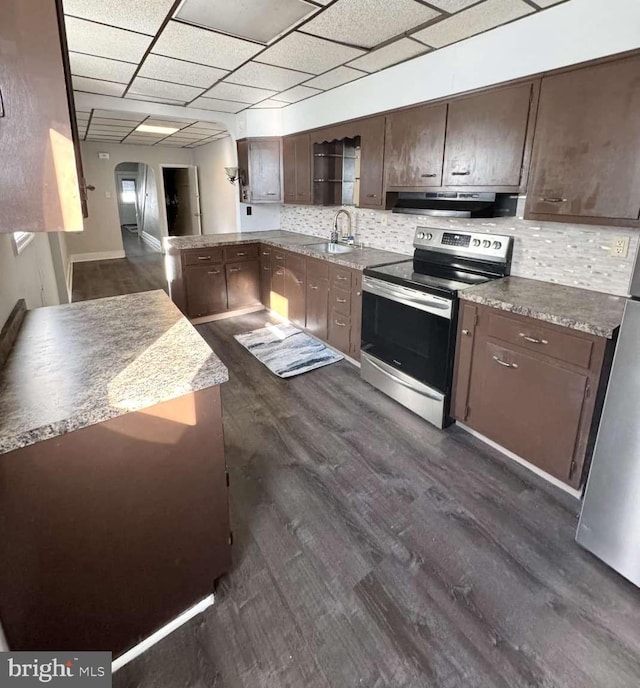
x: 107, y: 194
x: 620, y: 246
x: 103, y: 156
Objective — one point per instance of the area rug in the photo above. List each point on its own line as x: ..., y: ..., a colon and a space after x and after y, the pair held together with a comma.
x: 287, y: 351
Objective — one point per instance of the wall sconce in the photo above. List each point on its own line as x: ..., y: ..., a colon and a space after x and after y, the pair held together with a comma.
x: 232, y: 174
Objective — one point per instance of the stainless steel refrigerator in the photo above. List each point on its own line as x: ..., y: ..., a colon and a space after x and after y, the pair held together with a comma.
x: 610, y: 519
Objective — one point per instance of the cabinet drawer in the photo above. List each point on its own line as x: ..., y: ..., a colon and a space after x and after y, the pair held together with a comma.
x: 278, y: 255
x: 528, y: 334
x: 202, y: 256
x: 340, y: 277
x: 265, y: 252
x: 339, y: 331
x: 318, y: 269
x: 340, y: 301
x: 249, y: 252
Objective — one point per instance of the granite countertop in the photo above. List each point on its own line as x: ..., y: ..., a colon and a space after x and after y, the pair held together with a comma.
x: 578, y: 309
x: 79, y: 364
x: 358, y: 258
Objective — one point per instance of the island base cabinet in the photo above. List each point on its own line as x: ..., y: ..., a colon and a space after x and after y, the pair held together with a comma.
x: 206, y: 289
x: 243, y: 284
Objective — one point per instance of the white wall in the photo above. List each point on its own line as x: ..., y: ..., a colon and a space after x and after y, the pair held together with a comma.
x: 218, y: 198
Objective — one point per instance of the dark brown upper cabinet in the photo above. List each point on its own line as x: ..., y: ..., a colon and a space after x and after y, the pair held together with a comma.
x: 414, y: 147
x: 372, y: 131
x: 296, y: 155
x: 38, y: 136
x: 486, y: 138
x: 260, y: 164
x: 586, y: 152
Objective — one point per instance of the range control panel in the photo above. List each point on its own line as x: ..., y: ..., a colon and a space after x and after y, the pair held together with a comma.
x: 472, y: 244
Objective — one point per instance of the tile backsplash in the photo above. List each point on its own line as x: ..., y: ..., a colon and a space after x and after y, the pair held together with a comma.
x: 574, y: 255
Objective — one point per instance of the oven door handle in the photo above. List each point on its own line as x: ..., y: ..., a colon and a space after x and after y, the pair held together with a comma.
x: 401, y: 382
x: 413, y: 298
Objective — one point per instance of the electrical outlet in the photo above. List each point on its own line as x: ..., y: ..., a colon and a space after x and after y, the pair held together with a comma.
x: 620, y: 246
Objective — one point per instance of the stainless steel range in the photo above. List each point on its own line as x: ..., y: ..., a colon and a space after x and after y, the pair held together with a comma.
x: 410, y: 310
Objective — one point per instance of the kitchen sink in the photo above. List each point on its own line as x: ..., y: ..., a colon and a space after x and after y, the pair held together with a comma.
x: 328, y: 247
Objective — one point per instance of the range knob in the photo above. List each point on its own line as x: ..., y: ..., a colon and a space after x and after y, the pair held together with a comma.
x: 476, y: 242
x: 486, y: 243
x: 497, y: 244
x: 420, y: 235
x: 428, y: 236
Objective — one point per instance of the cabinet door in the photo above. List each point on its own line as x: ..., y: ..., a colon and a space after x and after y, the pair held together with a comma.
x: 372, y: 162
x: 244, y: 184
x: 528, y: 405
x: 414, y: 146
x: 486, y: 138
x: 243, y: 284
x: 265, y: 283
x: 264, y: 171
x: 206, y: 290
x: 317, y: 306
x: 356, y: 316
x: 339, y: 331
x: 277, y: 299
x: 303, y: 168
x: 289, y: 168
x: 295, y: 290
x: 464, y: 357
x: 39, y: 190
x: 586, y: 152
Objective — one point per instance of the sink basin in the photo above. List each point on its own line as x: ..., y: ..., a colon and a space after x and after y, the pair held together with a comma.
x: 328, y: 247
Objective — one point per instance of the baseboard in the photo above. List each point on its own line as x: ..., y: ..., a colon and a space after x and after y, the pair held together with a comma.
x: 151, y: 241
x: 161, y: 633
x: 98, y: 255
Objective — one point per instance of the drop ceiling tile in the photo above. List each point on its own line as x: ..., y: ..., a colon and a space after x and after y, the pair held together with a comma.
x: 153, y: 99
x: 107, y: 88
x: 242, y: 94
x: 453, y: 6
x: 547, y: 3
x: 200, y: 131
x: 335, y: 77
x: 139, y: 142
x: 269, y: 104
x: 219, y: 105
x: 118, y: 114
x: 390, y: 54
x: 101, y: 68
x: 266, y: 76
x: 82, y: 117
x: 204, y: 47
x: 185, y: 134
x: 477, y: 19
x: 111, y: 132
x: 169, y: 121
x: 144, y: 16
x: 307, y: 53
x: 179, y: 71
x: 105, y: 41
x: 163, y: 89
x: 293, y: 95
x: 369, y: 22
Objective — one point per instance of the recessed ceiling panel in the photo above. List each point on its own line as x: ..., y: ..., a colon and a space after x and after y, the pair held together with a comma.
x: 266, y: 76
x: 163, y: 89
x: 204, y: 47
x: 106, y: 88
x: 257, y: 20
x: 269, y: 104
x: 307, y: 53
x: 105, y: 41
x: 390, y: 54
x: 101, y: 68
x: 219, y: 105
x: 179, y: 71
x: 369, y: 22
x: 293, y: 95
x: 477, y: 19
x: 336, y: 77
x: 145, y: 16
x: 242, y: 94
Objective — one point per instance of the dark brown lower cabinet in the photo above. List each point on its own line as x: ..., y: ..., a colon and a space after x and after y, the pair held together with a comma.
x: 265, y: 282
x: 317, y: 298
x: 206, y: 289
x: 295, y: 290
x: 340, y: 331
x: 534, y: 388
x: 278, y: 299
x: 243, y: 284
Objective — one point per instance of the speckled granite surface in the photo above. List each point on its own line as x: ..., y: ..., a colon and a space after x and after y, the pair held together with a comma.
x: 358, y: 258
x: 76, y: 365
x: 578, y: 309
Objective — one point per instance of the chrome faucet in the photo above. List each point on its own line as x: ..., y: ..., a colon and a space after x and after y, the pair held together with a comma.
x: 335, y: 235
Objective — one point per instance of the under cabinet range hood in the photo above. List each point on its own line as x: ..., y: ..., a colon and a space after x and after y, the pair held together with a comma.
x: 457, y: 204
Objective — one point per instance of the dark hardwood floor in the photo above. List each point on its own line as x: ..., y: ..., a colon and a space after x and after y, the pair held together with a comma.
x: 371, y: 549
x: 141, y: 270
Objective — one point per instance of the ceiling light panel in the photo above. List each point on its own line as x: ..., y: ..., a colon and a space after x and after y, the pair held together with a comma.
x: 145, y: 16
x: 219, y: 105
x: 106, y: 88
x: 369, y: 22
x: 336, y: 77
x: 242, y: 94
x: 452, y: 6
x: 307, y: 53
x: 101, y: 68
x: 269, y: 104
x: 257, y: 20
x: 266, y: 76
x: 151, y: 129
x: 390, y: 54
x: 293, y: 95
x: 179, y: 71
x: 105, y: 41
x: 163, y: 89
x: 204, y: 47
x: 477, y: 19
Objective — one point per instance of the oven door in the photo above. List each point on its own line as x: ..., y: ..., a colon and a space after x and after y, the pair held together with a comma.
x: 409, y: 330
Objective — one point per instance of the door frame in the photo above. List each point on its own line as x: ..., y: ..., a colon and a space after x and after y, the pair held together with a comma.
x: 120, y: 175
x: 161, y: 198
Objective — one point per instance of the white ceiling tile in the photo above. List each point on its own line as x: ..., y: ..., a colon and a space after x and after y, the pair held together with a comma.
x: 101, y: 68
x: 154, y: 99
x: 204, y: 47
x: 82, y: 116
x: 163, y: 89
x: 204, y: 131
x: 107, y: 88
x: 139, y: 142
x: 266, y: 76
x: 191, y: 136
x: 369, y: 22
x: 307, y: 53
x: 179, y: 71
x: 109, y: 130
x: 269, y: 104
x: 219, y: 105
x: 477, y: 19
x: 390, y: 54
x: 293, y: 95
x: 242, y: 94
x: 335, y: 77
x: 118, y: 114
x: 257, y: 20
x: 168, y: 122
x: 453, y: 6
x: 105, y: 41
x: 145, y: 16
x: 171, y: 142
x: 547, y: 3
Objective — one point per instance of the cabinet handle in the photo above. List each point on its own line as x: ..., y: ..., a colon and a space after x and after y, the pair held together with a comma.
x: 241, y: 253
x: 312, y: 286
x: 266, y: 267
x: 341, y: 300
x: 339, y: 324
x: 554, y: 199
x: 466, y: 333
x: 213, y: 272
x: 425, y: 176
x: 461, y: 174
x: 270, y: 193
x: 204, y: 257
x: 279, y: 257
x: 298, y: 281
x: 234, y: 269
x: 533, y: 340
x: 504, y: 363
x: 371, y: 195
x: 266, y: 253
x: 280, y: 272
x: 342, y: 277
